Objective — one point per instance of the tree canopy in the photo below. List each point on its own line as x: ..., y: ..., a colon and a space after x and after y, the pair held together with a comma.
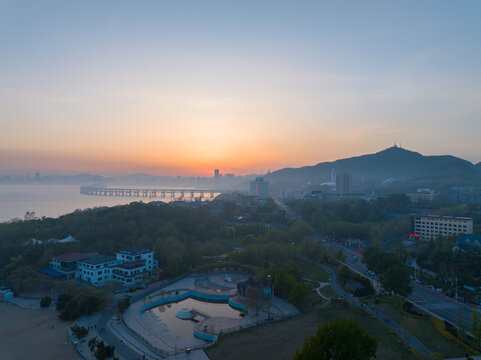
x: 339, y: 340
x: 357, y: 218
x: 395, y: 276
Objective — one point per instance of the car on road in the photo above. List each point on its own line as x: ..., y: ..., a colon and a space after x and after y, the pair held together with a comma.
x: 420, y: 282
x: 372, y: 273
x: 440, y: 290
x: 354, y: 258
x: 128, y: 294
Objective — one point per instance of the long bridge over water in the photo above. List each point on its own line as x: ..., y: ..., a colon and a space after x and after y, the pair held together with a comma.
x: 149, y: 193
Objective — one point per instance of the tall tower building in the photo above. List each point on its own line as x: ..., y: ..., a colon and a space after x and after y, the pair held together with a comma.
x: 343, y: 183
x: 260, y: 188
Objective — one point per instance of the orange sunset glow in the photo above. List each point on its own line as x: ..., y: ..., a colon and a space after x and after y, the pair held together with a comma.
x: 162, y: 91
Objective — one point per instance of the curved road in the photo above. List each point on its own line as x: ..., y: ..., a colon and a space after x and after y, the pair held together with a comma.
x: 432, y: 302
x: 125, y: 351
x: 403, y: 334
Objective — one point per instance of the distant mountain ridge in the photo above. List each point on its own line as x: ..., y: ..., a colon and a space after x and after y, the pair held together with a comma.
x: 392, y: 163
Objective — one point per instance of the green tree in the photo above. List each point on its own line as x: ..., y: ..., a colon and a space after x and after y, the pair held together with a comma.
x: 339, y: 340
x: 100, y: 350
x: 476, y: 326
x: 123, y: 305
x: 299, y: 294
x: 212, y: 248
x: 79, y: 331
x: 175, y: 264
x: 378, y: 260
x: 396, y: 279
x: 22, y: 278
x: 300, y: 230
x: 70, y: 312
x: 89, y: 305
x: 45, y: 302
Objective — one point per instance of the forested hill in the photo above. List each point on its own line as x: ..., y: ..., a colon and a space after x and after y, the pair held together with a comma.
x: 173, y: 232
x: 392, y: 163
x: 109, y: 229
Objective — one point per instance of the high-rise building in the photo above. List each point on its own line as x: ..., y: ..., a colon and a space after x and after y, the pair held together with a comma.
x: 423, y: 195
x: 343, y: 183
x: 260, y: 188
x: 216, y: 173
x: 429, y: 227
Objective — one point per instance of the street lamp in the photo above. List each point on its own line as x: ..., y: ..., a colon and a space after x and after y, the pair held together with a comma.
x: 269, y: 280
x: 456, y: 296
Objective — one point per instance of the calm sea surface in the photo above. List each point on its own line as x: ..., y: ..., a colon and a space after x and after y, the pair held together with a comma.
x: 52, y: 200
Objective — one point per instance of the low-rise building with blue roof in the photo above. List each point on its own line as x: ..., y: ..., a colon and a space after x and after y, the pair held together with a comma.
x: 468, y: 242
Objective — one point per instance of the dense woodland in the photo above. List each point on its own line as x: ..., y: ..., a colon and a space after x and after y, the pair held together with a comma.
x: 385, y: 218
x: 356, y: 218
x: 182, y: 238
x: 394, y: 275
x: 176, y: 235
x: 440, y: 258
x: 185, y: 238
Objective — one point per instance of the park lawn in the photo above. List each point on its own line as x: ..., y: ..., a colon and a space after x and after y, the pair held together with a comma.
x: 424, y: 330
x: 314, y: 301
x: 312, y: 271
x: 329, y: 292
x: 280, y: 340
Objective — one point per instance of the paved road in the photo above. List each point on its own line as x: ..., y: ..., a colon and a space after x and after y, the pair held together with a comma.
x: 110, y: 338
x: 125, y: 351
x: 440, y: 305
x: 403, y: 334
x: 434, y: 303
x: 289, y: 211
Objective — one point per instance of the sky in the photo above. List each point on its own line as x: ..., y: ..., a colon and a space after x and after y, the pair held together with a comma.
x: 184, y: 87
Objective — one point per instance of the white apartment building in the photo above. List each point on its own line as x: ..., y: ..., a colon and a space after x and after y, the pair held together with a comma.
x: 128, y: 266
x: 97, y: 269
x: 429, y: 227
x: 423, y: 195
x: 67, y: 264
x: 136, y: 265
x: 138, y: 254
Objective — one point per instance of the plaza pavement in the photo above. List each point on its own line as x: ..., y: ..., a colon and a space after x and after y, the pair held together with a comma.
x: 158, y: 336
x: 29, y: 304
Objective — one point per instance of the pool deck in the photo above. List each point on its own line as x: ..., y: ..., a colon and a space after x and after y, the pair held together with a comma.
x: 156, y: 335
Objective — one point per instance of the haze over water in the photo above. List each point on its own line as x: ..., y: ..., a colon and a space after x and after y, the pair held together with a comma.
x: 53, y: 200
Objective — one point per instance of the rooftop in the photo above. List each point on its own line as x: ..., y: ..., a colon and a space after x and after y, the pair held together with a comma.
x: 442, y: 217
x: 71, y: 257
x: 99, y: 259
x: 68, y: 239
x: 470, y: 238
x: 134, y: 251
x: 469, y: 242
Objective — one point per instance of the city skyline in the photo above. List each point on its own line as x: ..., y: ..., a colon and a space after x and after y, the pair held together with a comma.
x: 182, y: 89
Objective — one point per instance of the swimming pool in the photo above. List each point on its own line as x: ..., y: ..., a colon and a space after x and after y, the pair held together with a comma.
x: 185, y: 328
x: 160, y: 316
